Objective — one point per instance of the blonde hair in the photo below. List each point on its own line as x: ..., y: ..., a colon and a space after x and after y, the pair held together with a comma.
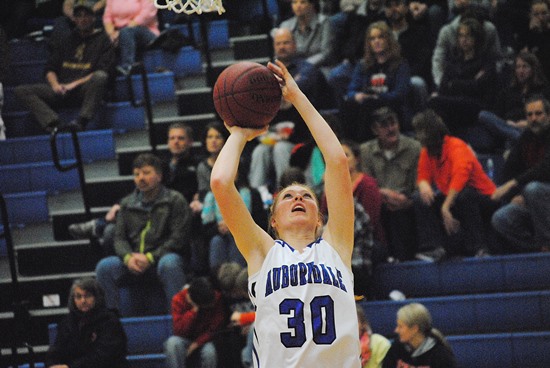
x: 394, y: 49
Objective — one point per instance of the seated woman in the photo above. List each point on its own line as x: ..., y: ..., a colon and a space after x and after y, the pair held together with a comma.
x: 369, y: 246
x: 468, y: 82
x: 418, y: 343
x: 222, y: 247
x: 381, y: 79
x: 90, y: 336
x: 311, y: 31
x: 453, y: 205
x: 506, y: 119
x: 132, y: 25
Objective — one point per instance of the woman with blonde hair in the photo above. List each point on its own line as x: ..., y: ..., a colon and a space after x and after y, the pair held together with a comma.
x: 300, y: 280
x: 382, y: 78
x: 418, y: 343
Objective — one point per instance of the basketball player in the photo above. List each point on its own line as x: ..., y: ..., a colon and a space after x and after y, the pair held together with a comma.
x: 301, y: 283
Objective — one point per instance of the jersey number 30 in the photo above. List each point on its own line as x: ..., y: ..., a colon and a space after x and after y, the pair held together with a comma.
x: 322, y: 321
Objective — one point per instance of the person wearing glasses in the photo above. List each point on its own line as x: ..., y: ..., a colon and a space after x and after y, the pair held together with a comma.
x: 90, y: 335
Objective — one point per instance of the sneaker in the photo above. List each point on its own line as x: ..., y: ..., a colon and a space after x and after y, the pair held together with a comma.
x: 435, y: 255
x: 83, y: 230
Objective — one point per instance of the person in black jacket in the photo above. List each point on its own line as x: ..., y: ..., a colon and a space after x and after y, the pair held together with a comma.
x: 76, y: 74
x: 90, y: 336
x: 418, y: 343
x: 524, y: 220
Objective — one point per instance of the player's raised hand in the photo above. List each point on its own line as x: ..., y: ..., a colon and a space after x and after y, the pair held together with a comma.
x: 289, y: 88
x: 248, y: 133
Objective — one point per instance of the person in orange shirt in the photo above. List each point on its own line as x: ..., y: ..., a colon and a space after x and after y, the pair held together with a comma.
x: 453, y: 205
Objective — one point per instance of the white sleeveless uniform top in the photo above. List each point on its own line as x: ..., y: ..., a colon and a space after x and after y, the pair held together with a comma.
x: 305, y: 309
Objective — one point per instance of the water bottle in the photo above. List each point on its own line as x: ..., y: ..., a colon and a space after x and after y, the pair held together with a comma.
x: 490, y: 168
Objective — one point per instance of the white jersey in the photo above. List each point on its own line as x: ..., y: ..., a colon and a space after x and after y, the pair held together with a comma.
x: 305, y: 309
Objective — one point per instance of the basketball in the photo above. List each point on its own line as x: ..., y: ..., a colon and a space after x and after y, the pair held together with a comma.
x: 247, y: 94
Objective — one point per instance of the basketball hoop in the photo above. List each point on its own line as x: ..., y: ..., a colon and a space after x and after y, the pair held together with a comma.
x: 191, y: 6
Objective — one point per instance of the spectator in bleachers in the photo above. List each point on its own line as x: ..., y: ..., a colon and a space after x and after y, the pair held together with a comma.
x: 382, y: 78
x: 469, y: 80
x: 214, y: 139
x: 152, y: 232
x: 415, y: 48
x: 312, y: 32
x: 4, y: 62
x: 76, y: 74
x: 525, y: 220
x: 64, y: 24
x: 418, y: 343
x: 90, y: 335
x: 267, y: 159
x: 222, y: 247
x: 374, y: 347
x: 432, y: 13
x: 131, y: 26
x: 349, y: 27
x: 234, y: 344
x: 243, y: 317
x: 448, y: 37
x: 179, y: 173
x: 453, y: 205
x: 505, y: 120
x: 197, y: 315
x: 392, y: 159
x: 369, y: 244
x: 537, y: 38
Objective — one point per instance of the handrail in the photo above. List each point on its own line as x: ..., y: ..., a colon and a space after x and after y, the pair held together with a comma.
x: 78, y: 164
x: 20, y: 310
x: 140, y: 68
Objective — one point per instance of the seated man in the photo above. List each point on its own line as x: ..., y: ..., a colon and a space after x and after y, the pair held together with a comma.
x: 312, y: 82
x: 198, y: 313
x: 525, y: 222
x: 76, y: 73
x: 392, y: 159
x: 180, y: 173
x: 152, y: 231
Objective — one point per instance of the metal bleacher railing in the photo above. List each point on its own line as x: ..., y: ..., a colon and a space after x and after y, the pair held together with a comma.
x: 20, y: 310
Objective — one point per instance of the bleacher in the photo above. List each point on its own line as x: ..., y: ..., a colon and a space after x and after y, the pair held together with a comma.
x: 42, y: 201
x: 494, y: 310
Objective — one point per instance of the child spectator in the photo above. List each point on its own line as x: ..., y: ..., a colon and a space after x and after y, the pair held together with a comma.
x: 197, y: 315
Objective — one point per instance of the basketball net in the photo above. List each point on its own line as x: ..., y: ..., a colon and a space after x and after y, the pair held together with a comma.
x: 191, y: 6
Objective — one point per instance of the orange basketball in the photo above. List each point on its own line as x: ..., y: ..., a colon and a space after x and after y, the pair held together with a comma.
x: 247, y: 94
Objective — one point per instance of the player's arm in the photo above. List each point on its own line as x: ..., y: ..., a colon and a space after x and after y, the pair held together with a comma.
x: 338, y: 189
x: 252, y: 241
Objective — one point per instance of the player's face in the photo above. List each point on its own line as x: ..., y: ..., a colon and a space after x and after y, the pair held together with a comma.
x: 146, y: 178
x: 376, y: 41
x: 295, y: 204
x: 523, y: 71
x: 178, y: 141
x: 83, y: 300
x: 214, y: 141
x: 537, y: 118
x: 405, y: 332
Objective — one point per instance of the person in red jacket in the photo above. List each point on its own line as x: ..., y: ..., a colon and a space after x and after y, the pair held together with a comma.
x: 453, y: 202
x: 198, y: 313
